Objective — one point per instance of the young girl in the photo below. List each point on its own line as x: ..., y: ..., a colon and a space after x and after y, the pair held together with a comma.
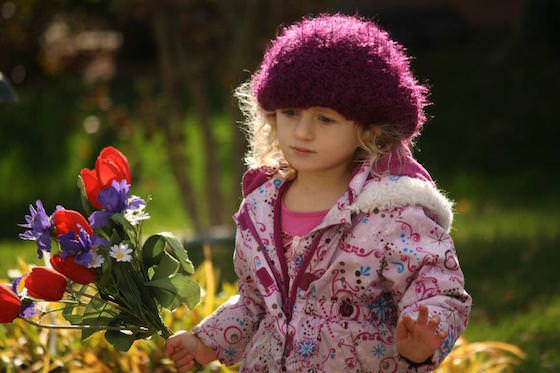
x: 343, y: 254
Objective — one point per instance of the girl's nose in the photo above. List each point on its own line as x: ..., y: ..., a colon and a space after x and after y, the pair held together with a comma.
x: 304, y: 127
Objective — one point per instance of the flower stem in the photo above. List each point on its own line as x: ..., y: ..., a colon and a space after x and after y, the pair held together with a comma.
x: 63, y: 301
x: 166, y: 332
x: 79, y: 327
x: 114, y: 304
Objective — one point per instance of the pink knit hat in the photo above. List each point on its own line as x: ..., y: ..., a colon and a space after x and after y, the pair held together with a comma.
x: 344, y: 63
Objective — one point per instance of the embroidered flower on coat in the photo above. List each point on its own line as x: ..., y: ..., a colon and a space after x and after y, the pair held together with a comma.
x: 306, y: 348
x: 378, y: 351
x: 382, y: 310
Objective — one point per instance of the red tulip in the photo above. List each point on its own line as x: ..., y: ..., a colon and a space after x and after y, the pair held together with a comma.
x: 74, y: 271
x: 10, y: 305
x: 110, y: 165
x: 45, y: 283
x: 68, y: 220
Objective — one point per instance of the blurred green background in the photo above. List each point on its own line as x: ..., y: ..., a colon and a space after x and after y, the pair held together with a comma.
x: 155, y: 79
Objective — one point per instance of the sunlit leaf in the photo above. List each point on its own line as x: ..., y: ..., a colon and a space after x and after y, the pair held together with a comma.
x: 154, y: 246
x: 166, y: 267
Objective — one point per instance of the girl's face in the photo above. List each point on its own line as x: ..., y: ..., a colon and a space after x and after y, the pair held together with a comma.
x: 316, y: 139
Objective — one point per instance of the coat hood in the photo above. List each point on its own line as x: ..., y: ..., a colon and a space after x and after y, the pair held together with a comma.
x: 397, y: 179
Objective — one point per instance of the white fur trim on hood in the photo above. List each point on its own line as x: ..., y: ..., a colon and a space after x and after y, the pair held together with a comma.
x: 395, y: 191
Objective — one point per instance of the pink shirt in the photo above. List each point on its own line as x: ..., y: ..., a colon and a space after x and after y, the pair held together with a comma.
x: 299, y: 223
x: 296, y: 224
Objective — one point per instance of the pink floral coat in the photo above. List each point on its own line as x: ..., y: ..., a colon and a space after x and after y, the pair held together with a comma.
x: 382, y: 250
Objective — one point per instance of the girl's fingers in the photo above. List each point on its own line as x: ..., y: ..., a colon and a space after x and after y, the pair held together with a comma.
x: 408, y: 323
x: 173, y: 343
x: 402, y: 329
x: 185, y: 362
x: 169, y: 346
x: 442, y: 334
x: 170, y: 349
x: 180, y: 355
x: 434, y: 322
x: 186, y: 368
x: 422, y: 315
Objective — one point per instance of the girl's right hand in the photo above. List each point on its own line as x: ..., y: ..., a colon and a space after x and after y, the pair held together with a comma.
x: 184, y: 348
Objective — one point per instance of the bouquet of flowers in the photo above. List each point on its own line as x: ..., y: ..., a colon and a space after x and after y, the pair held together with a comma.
x: 104, y: 276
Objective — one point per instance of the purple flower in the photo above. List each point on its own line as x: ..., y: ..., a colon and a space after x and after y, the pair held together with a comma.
x: 15, y: 284
x: 27, y: 305
x: 99, y: 219
x: 135, y: 203
x: 114, y: 199
x: 81, y: 246
x: 28, y: 308
x: 39, y: 225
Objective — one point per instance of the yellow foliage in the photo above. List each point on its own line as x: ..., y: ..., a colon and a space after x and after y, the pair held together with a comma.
x: 488, y: 357
x: 25, y: 348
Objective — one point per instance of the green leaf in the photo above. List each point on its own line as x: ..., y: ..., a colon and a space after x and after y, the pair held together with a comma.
x: 98, y: 321
x: 188, y: 289
x: 115, y: 237
x: 96, y: 313
x: 152, y: 250
x: 128, y: 228
x: 83, y: 195
x: 119, y: 340
x: 123, y: 338
x: 67, y: 313
x: 154, y: 246
x: 165, y: 293
x: 128, y: 285
x: 95, y: 304
x: 105, y: 282
x: 174, y: 290
x: 167, y: 298
x: 179, y: 251
x: 167, y: 266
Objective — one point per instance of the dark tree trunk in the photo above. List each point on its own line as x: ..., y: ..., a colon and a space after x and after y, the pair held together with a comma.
x: 169, y: 118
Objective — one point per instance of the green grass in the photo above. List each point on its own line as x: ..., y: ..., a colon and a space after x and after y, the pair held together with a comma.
x: 11, y: 250
x: 514, y: 223
x: 534, y: 327
x: 510, y: 257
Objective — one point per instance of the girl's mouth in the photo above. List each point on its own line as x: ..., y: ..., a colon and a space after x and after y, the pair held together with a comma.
x: 302, y: 150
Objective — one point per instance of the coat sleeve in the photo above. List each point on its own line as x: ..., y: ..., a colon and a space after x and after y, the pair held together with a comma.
x: 230, y: 328
x: 420, y: 266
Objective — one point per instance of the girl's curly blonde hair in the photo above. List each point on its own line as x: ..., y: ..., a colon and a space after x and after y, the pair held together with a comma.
x: 260, y: 127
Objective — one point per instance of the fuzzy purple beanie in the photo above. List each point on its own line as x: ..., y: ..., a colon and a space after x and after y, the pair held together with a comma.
x: 345, y: 63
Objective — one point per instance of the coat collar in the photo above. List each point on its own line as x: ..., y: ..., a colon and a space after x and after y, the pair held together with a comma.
x: 396, y: 179
x: 269, y: 192
x: 397, y: 191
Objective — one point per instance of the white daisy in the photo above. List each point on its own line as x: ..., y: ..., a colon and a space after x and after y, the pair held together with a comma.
x: 121, y: 252
x: 96, y: 261
x: 137, y: 215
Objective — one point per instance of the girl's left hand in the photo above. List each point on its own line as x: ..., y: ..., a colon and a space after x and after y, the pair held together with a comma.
x: 417, y: 340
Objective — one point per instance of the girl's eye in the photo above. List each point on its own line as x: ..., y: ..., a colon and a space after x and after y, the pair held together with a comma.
x: 289, y: 112
x: 326, y: 120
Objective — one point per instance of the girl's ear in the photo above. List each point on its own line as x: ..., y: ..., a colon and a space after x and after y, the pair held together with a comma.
x: 375, y: 130
x: 374, y: 137
x: 368, y: 133
x: 271, y: 118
